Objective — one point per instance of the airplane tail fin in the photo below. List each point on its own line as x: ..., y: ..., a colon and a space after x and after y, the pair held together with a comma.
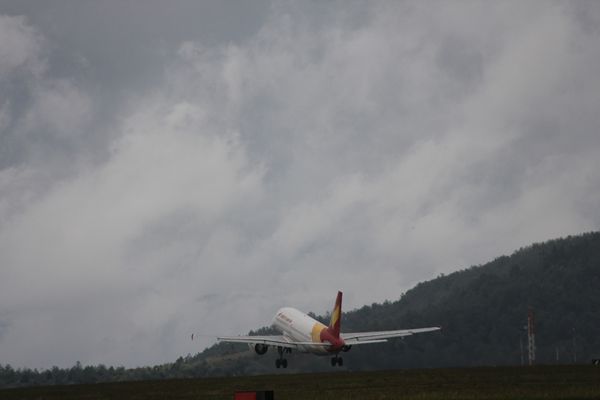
x: 336, y: 316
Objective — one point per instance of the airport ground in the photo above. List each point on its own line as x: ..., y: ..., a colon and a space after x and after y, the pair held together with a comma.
x: 541, y: 382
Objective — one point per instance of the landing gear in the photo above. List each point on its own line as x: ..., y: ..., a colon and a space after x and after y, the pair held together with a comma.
x: 337, y: 361
x: 281, y: 362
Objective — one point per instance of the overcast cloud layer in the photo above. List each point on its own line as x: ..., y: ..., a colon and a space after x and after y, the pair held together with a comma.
x: 168, y: 169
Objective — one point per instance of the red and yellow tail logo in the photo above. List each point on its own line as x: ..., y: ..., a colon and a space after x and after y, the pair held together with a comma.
x: 336, y: 316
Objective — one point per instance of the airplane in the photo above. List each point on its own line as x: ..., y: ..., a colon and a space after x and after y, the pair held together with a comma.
x: 304, y: 334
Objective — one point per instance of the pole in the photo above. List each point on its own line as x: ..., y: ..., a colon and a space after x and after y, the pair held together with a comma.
x: 531, y: 336
x: 521, y: 346
x: 574, y: 348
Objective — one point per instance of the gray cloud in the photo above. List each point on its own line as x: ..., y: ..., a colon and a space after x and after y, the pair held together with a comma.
x: 364, y: 147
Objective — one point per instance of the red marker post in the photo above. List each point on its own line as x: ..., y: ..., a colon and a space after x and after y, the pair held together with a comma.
x: 254, y: 395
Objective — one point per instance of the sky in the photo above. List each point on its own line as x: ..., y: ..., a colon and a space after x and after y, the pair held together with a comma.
x: 178, y: 167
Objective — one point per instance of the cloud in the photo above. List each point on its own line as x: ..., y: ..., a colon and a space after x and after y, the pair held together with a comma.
x: 20, y: 47
x: 108, y: 235
x: 364, y: 149
x: 58, y: 108
x: 45, y: 120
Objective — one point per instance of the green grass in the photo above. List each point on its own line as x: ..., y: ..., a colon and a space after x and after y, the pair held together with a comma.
x: 545, y: 382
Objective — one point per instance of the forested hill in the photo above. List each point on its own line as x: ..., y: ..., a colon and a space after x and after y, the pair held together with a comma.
x: 482, y: 309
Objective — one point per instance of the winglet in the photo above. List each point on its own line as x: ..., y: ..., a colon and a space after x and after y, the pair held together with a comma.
x: 336, y: 316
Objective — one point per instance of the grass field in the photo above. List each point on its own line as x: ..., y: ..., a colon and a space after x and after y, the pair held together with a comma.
x: 547, y: 382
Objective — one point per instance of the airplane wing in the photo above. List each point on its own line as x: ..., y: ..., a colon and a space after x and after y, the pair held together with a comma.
x: 272, y: 340
x: 357, y: 338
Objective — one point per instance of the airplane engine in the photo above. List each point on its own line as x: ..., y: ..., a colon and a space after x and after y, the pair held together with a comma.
x: 261, y: 348
x: 346, y: 348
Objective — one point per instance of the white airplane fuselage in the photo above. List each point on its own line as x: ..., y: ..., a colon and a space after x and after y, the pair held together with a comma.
x: 296, y: 326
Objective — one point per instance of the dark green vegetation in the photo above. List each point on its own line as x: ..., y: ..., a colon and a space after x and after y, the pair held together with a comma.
x: 548, y: 382
x: 482, y: 309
